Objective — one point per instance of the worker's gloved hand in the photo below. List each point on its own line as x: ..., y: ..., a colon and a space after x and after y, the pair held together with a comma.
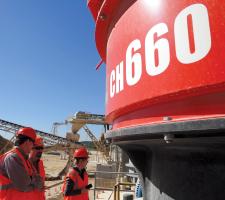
x: 88, y: 186
x: 38, y: 182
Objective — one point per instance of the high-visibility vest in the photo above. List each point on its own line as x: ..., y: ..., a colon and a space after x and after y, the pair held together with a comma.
x: 40, y: 195
x: 7, y: 190
x: 79, y: 183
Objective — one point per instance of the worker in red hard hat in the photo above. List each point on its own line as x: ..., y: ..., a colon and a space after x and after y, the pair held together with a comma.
x: 17, y: 177
x: 37, y: 162
x: 76, y: 182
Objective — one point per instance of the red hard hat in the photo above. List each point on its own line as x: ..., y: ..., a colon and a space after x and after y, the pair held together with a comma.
x: 81, y: 153
x: 38, y: 142
x: 27, y: 131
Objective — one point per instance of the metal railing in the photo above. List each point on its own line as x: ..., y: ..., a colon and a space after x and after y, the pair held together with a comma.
x: 117, y: 189
x: 113, y: 184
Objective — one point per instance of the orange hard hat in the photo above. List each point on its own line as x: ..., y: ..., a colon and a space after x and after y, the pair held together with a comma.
x: 27, y: 131
x: 81, y: 153
x: 38, y: 141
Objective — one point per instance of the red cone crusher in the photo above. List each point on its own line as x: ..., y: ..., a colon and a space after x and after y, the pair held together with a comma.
x: 165, y: 92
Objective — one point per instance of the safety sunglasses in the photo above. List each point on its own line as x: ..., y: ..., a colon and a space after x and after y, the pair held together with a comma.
x: 38, y: 148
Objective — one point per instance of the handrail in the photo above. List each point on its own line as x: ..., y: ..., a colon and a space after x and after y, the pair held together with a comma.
x: 119, y: 183
x: 105, y: 172
x: 117, y: 189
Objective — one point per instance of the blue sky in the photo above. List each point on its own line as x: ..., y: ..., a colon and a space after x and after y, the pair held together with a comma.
x: 47, y: 63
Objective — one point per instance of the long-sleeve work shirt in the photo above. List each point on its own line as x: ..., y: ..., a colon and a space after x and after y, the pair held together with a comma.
x: 13, y: 168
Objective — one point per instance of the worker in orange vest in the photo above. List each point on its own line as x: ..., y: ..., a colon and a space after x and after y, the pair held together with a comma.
x: 37, y: 162
x: 76, y: 182
x: 17, y: 178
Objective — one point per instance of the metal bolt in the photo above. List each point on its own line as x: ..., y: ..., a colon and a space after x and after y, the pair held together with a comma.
x: 102, y: 16
x: 168, y: 138
x: 167, y: 118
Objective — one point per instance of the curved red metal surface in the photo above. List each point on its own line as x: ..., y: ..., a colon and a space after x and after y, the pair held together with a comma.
x: 164, y: 58
x: 103, y: 13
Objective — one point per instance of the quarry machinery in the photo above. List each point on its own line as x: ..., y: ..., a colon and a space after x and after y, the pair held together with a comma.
x: 165, y: 91
x: 81, y: 119
x: 49, y: 139
x: 56, y: 125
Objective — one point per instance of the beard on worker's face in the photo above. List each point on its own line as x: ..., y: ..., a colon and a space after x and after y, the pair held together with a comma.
x: 38, y: 155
